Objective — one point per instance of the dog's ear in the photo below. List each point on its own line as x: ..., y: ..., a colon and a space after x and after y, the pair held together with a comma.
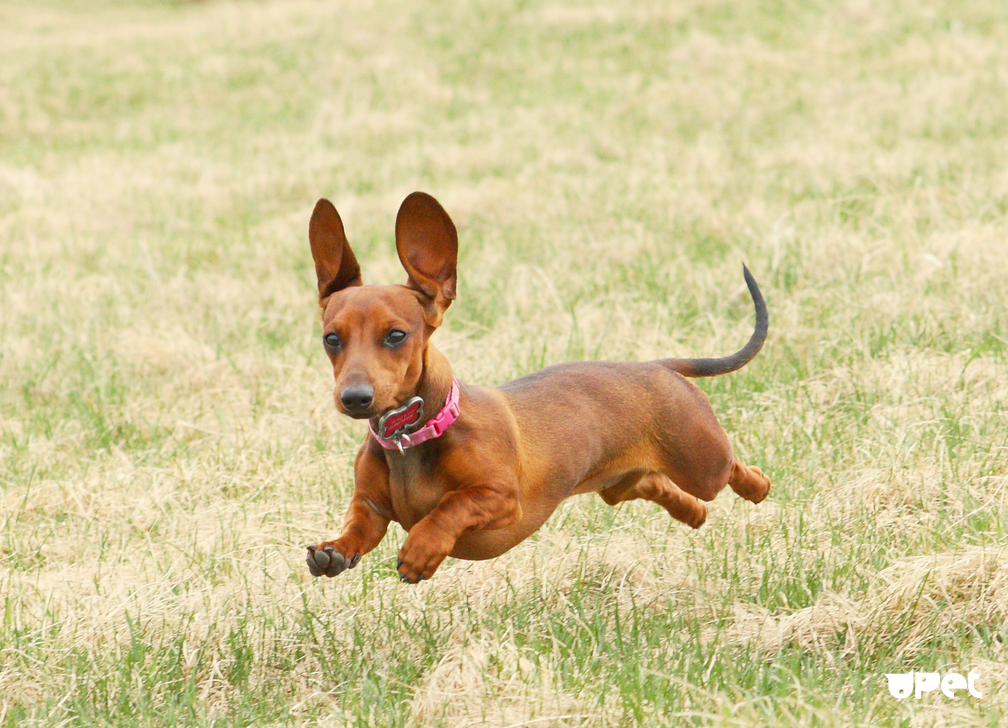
x: 427, y: 244
x: 335, y: 264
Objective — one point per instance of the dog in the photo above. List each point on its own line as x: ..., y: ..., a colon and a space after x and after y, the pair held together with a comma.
x: 472, y: 471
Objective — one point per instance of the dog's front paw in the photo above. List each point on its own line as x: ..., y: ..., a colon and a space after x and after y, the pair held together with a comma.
x: 330, y: 559
x: 421, y: 554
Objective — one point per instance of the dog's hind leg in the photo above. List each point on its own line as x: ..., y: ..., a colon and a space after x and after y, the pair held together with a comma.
x: 658, y: 488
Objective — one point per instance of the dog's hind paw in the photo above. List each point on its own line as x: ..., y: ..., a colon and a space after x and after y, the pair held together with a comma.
x: 749, y: 482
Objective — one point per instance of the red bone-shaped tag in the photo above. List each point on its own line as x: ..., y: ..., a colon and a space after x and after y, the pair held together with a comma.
x: 397, y: 422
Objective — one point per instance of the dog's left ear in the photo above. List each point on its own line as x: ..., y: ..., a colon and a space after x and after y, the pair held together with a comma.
x: 427, y: 244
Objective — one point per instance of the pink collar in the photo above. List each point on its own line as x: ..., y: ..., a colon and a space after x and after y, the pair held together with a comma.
x: 397, y: 425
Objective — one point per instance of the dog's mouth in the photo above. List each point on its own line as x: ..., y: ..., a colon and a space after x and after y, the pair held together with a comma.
x: 362, y: 415
x: 357, y: 413
x: 372, y: 412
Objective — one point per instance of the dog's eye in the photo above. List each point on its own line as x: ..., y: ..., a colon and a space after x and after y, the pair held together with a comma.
x: 332, y: 342
x: 394, y: 338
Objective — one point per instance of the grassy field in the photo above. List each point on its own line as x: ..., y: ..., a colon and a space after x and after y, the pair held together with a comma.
x: 168, y: 440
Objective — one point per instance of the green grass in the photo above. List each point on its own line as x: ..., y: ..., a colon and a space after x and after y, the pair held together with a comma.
x: 167, y: 435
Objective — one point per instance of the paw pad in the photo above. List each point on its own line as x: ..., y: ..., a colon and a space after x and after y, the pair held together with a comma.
x: 328, y: 561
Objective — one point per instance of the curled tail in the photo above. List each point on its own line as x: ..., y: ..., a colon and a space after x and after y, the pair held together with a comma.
x: 723, y: 365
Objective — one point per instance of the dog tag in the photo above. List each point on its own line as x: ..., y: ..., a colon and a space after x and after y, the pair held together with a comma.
x: 398, y: 422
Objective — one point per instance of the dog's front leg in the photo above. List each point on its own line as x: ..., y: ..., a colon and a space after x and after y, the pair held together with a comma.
x: 366, y: 520
x: 467, y: 509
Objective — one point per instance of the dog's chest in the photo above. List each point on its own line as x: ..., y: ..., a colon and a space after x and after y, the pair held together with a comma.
x: 415, y: 490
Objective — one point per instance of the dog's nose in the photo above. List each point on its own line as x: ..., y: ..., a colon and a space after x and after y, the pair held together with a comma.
x: 357, y: 397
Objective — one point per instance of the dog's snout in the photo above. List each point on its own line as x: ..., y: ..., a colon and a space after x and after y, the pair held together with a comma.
x: 357, y: 397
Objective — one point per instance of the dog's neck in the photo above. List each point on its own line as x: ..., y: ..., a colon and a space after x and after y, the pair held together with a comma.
x: 435, y: 382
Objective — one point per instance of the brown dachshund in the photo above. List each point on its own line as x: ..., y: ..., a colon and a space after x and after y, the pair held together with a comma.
x: 471, y: 471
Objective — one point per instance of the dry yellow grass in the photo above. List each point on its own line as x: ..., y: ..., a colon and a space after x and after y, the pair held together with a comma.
x: 167, y: 435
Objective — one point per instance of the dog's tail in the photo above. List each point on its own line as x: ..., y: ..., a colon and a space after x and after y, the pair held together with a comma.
x: 723, y: 365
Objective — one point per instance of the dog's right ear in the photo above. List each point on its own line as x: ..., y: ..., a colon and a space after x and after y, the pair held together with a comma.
x: 335, y: 264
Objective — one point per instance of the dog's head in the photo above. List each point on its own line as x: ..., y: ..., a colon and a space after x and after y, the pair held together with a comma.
x: 376, y: 336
